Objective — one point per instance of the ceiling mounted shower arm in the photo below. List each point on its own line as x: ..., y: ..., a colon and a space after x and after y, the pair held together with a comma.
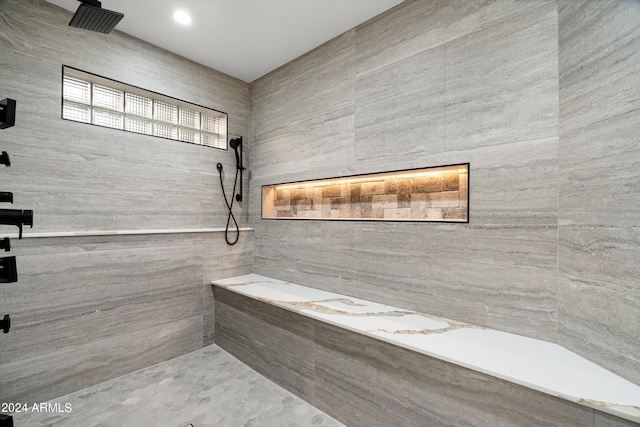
x: 94, y: 3
x: 91, y: 16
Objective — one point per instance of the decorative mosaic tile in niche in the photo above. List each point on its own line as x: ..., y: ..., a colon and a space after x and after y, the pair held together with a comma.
x: 433, y: 194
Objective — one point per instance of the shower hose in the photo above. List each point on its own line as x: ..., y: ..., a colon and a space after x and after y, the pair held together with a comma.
x: 231, y: 216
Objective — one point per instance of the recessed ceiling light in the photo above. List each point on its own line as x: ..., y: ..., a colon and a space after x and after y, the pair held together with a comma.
x: 182, y: 17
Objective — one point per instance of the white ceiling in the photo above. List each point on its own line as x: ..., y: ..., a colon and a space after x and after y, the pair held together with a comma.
x: 243, y: 38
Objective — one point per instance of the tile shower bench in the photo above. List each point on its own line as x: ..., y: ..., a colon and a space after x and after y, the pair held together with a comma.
x: 369, y: 364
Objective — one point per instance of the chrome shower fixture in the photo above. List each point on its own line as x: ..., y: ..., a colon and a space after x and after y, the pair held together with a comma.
x: 91, y: 16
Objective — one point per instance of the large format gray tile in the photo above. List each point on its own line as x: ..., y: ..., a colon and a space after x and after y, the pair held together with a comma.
x: 418, y: 25
x: 96, y: 307
x: 601, y: 419
x: 317, y: 253
x: 225, y: 93
x: 503, y: 278
x: 499, y: 270
x: 504, y: 50
x: 599, y: 178
x: 514, y: 184
x: 89, y: 308
x: 107, y: 293
x: 599, y: 61
x: 598, y: 293
x: 275, y: 342
x: 399, y: 109
x: 40, y: 29
x: 304, y: 112
x: 82, y: 177
x: 221, y: 260
x: 365, y: 382
x: 136, y: 299
x: 603, y: 254
x: 502, y: 82
x: 598, y: 297
x: 89, y: 361
x: 206, y: 388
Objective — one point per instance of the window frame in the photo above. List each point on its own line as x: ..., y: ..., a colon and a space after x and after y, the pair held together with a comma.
x: 220, y: 118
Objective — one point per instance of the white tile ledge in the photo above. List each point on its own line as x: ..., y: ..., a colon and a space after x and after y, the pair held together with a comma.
x: 540, y: 365
x: 121, y: 232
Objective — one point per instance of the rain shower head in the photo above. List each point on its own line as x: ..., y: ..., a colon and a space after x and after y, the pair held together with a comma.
x: 91, y: 16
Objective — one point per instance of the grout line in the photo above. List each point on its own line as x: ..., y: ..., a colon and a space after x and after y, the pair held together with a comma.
x: 444, y: 98
x: 558, y: 201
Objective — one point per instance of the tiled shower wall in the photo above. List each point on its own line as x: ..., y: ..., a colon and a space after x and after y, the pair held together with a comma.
x: 509, y: 86
x: 87, y: 309
x: 599, y: 183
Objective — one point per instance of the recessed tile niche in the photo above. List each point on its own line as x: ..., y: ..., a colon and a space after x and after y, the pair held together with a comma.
x: 438, y: 194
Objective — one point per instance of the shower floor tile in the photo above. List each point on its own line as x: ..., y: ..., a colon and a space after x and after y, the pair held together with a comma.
x: 206, y: 388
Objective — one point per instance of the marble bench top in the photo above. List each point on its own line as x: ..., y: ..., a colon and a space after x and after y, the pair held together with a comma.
x: 540, y: 365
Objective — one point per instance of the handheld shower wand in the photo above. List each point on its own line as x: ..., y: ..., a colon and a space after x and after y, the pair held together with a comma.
x: 236, y: 144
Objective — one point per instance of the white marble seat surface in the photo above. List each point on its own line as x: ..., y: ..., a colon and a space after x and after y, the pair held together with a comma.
x: 540, y: 365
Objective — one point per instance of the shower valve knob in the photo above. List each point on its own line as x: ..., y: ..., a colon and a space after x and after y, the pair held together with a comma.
x: 4, y: 159
x: 5, y: 324
x: 8, y: 270
x: 7, y: 113
x: 6, y: 197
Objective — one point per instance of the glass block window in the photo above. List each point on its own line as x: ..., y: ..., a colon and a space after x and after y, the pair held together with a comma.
x: 134, y: 124
x: 137, y: 105
x: 165, y: 131
x: 189, y: 118
x: 209, y: 140
x: 96, y: 100
x: 78, y: 113
x: 188, y: 135
x: 107, y: 97
x: 165, y: 112
x: 210, y: 127
x: 107, y: 118
x: 77, y: 90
